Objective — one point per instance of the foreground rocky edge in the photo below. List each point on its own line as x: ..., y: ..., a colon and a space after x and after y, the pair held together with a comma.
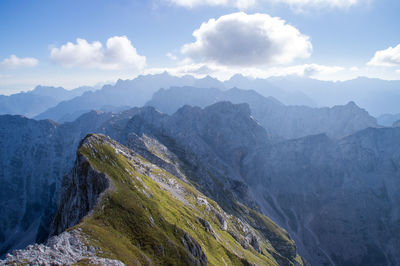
x: 118, y: 208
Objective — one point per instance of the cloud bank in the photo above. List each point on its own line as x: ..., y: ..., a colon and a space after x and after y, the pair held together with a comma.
x: 240, y: 39
x: 118, y: 53
x: 389, y: 57
x: 15, y: 62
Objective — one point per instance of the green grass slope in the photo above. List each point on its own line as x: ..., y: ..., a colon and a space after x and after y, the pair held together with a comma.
x: 149, y: 217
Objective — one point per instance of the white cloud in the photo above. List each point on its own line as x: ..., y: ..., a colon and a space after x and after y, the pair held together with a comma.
x: 389, y: 57
x: 354, y: 68
x: 245, y: 4
x: 398, y: 71
x: 15, y: 62
x: 172, y: 56
x: 247, y: 40
x: 225, y: 72
x: 118, y: 53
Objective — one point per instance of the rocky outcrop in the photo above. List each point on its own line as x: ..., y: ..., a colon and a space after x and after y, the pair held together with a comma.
x: 65, y: 249
x: 195, y: 249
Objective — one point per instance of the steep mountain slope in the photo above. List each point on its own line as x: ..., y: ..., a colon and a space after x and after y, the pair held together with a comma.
x: 279, y: 120
x: 141, y: 214
x: 34, y: 161
x: 34, y: 157
x: 329, y: 194
x: 38, y: 100
x: 338, y: 199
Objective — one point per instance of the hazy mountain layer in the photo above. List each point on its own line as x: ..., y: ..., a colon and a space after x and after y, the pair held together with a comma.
x: 387, y: 120
x: 34, y: 102
x: 374, y: 95
x: 279, y: 120
x: 377, y: 96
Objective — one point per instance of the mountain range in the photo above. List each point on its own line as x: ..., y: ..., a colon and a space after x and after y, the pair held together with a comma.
x: 38, y: 100
x: 376, y: 96
x: 336, y: 197
x: 279, y: 120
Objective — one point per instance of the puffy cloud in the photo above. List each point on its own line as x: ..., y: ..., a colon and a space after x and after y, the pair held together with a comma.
x: 118, y: 53
x: 244, y: 4
x: 240, y: 39
x: 398, y: 71
x: 15, y: 62
x: 388, y: 57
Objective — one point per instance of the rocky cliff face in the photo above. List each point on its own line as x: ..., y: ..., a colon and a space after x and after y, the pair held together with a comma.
x: 299, y: 182
x: 34, y: 157
x: 134, y: 211
x: 278, y: 119
x: 336, y: 198
x: 79, y: 194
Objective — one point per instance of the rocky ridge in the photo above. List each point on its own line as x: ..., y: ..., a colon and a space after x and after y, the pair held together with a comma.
x: 206, y: 234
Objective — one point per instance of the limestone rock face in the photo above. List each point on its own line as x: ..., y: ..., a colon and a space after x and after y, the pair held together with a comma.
x: 79, y: 194
x: 34, y: 157
x: 337, y: 199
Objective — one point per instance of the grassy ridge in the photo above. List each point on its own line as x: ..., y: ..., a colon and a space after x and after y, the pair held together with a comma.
x: 139, y: 221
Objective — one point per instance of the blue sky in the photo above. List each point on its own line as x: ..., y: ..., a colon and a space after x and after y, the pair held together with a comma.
x: 325, y: 39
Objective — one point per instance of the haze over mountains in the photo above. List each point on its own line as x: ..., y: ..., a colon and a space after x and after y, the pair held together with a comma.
x: 38, y: 100
x: 281, y: 121
x: 376, y: 96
